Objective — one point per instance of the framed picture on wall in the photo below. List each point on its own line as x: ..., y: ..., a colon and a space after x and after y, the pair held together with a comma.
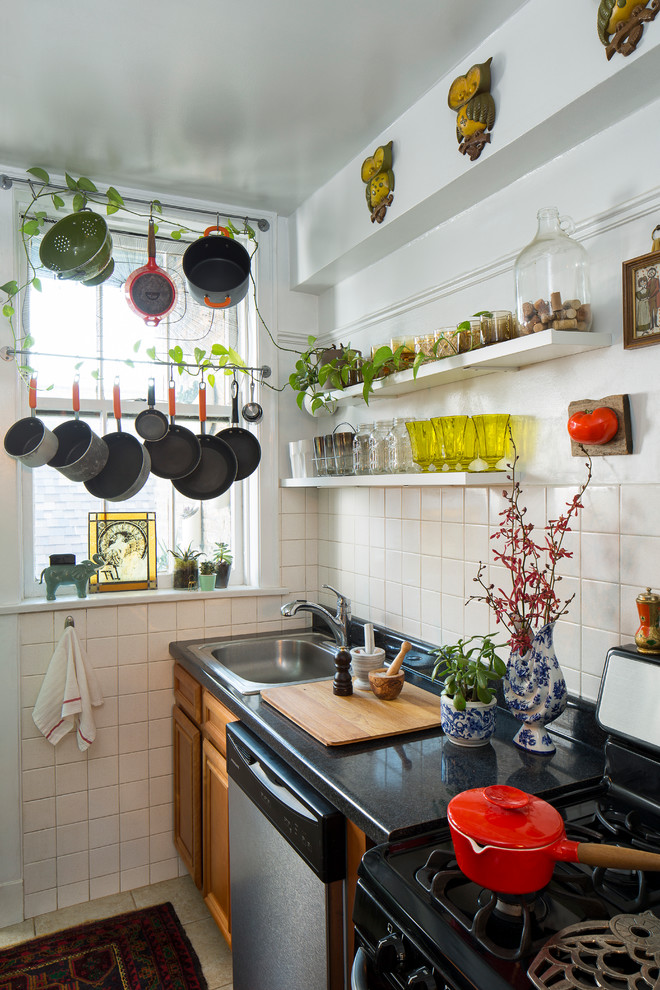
x: 127, y: 543
x: 641, y: 300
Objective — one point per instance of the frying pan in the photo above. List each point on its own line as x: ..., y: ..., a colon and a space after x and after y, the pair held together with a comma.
x: 128, y: 464
x: 29, y: 440
x: 151, y: 424
x: 217, y: 467
x: 149, y: 291
x: 217, y: 269
x: 80, y: 453
x: 509, y: 841
x: 178, y: 453
x: 244, y: 444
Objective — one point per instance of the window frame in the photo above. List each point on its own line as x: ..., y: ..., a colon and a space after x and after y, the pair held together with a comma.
x: 259, y: 511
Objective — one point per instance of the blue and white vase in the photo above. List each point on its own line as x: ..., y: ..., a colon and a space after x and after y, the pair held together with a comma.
x: 473, y: 726
x: 535, y: 691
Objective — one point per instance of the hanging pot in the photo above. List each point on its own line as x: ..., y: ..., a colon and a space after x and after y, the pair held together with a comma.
x: 77, y: 247
x: 216, y: 471
x: 217, y: 269
x: 29, y: 440
x: 149, y: 291
x: 178, y: 453
x: 151, y: 424
x: 128, y: 463
x: 244, y: 444
x: 509, y: 841
x: 80, y: 454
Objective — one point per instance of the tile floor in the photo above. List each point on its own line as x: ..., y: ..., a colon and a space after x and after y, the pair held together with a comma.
x: 208, y: 943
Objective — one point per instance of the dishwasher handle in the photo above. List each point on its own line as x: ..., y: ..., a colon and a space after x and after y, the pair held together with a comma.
x: 279, y: 791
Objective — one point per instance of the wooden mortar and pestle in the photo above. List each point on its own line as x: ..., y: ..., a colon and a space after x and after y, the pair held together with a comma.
x: 386, y: 682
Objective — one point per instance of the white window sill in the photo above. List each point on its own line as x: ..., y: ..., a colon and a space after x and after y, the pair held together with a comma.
x: 158, y: 595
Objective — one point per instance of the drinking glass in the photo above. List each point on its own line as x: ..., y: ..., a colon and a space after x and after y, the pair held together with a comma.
x: 450, y: 433
x: 425, y: 449
x: 491, y: 432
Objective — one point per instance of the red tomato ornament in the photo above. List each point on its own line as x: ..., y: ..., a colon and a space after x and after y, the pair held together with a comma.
x: 596, y: 426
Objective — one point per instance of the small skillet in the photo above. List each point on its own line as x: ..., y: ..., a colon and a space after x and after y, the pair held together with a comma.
x: 244, y: 444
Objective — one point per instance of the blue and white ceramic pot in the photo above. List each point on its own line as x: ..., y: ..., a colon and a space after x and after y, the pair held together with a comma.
x: 473, y: 726
x: 535, y: 692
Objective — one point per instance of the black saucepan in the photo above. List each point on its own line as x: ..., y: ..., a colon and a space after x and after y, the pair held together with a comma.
x: 178, y: 453
x: 80, y: 454
x: 151, y: 424
x: 216, y: 471
x: 217, y: 269
x: 29, y: 440
x: 128, y: 464
x: 244, y: 444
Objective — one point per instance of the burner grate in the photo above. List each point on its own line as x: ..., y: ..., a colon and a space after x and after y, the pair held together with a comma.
x: 620, y: 954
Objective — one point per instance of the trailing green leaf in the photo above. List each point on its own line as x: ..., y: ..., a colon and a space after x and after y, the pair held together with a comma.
x: 58, y: 202
x: 79, y: 201
x: 151, y: 352
x: 199, y: 354
x: 86, y: 184
x: 70, y: 181
x: 111, y: 208
x: 11, y: 288
x: 30, y: 228
x: 36, y: 283
x: 39, y: 173
x: 8, y: 310
x: 114, y: 196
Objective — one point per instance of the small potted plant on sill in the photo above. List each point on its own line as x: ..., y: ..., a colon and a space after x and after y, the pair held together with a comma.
x: 186, y: 571
x: 207, y: 575
x: 222, y: 559
x: 468, y: 701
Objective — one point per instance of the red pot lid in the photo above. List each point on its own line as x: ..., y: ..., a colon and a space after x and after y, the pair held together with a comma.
x: 506, y: 817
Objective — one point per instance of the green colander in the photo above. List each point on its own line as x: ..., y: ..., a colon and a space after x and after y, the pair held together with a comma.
x: 77, y: 247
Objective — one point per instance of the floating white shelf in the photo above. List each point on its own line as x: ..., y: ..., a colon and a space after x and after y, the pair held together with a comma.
x: 455, y: 478
x: 509, y: 355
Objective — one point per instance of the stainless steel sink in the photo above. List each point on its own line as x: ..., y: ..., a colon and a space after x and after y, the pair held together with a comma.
x: 250, y: 665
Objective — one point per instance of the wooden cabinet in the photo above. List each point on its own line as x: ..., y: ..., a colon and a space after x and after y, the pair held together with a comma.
x: 216, y: 838
x: 201, y: 807
x: 187, y: 740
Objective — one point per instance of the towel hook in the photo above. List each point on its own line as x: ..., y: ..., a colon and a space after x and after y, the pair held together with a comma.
x: 69, y: 621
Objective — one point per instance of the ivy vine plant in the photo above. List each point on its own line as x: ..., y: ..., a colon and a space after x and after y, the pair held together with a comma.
x: 78, y: 194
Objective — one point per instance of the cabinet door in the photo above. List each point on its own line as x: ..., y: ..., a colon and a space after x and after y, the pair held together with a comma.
x: 187, y: 793
x: 216, y: 837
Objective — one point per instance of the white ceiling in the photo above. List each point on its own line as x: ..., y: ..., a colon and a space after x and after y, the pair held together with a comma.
x: 253, y: 103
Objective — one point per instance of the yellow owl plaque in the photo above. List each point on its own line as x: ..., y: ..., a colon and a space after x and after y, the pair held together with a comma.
x: 469, y: 97
x: 377, y: 173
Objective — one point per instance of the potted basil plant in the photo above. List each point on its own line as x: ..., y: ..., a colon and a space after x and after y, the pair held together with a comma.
x: 222, y: 559
x: 470, y: 669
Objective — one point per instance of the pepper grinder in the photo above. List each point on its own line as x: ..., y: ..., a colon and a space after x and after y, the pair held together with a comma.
x: 647, y: 637
x: 343, y: 682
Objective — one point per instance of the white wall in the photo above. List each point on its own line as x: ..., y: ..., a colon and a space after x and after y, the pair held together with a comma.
x: 446, y: 249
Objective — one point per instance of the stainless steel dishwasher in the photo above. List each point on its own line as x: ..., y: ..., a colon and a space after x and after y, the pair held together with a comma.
x: 287, y: 864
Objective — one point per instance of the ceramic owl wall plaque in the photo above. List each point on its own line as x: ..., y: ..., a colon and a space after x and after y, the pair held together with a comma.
x: 621, y: 23
x: 469, y: 97
x: 377, y: 173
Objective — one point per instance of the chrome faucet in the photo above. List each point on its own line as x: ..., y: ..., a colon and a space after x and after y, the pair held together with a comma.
x: 338, y: 622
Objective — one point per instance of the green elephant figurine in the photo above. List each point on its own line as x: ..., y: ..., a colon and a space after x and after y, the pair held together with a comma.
x: 78, y: 574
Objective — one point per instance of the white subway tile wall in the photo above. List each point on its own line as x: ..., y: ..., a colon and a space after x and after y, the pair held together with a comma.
x: 416, y: 551
x: 100, y: 822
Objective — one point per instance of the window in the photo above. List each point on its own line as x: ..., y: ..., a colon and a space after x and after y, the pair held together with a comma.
x: 92, y: 332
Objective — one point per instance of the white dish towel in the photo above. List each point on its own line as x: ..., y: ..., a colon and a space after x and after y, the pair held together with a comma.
x: 69, y: 692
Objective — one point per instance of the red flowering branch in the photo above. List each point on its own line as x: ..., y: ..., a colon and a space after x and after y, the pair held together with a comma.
x: 532, y: 600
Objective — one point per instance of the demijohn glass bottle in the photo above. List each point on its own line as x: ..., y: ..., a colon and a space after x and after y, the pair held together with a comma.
x: 552, y: 278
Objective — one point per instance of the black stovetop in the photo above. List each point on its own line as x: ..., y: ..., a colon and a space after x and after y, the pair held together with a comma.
x: 474, y: 938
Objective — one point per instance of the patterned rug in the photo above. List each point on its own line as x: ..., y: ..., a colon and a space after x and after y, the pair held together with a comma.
x: 141, y: 950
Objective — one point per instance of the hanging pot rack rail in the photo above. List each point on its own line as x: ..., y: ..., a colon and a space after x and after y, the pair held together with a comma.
x: 7, y: 181
x: 263, y: 370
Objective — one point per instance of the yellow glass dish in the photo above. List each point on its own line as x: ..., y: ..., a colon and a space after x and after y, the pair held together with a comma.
x: 491, y: 432
x: 424, y: 445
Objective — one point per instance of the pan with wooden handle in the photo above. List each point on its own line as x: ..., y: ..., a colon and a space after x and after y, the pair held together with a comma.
x: 509, y: 841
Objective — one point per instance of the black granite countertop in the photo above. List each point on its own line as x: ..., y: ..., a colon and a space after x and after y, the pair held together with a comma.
x: 401, y: 786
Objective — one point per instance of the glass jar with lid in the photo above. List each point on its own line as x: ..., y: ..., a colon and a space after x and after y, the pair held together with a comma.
x: 552, y: 278
x: 398, y: 450
x: 378, y: 446
x: 361, y: 448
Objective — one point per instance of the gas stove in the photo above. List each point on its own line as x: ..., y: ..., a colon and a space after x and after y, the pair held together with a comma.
x: 420, y: 923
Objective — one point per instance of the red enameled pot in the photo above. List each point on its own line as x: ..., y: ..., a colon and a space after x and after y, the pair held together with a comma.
x: 509, y: 841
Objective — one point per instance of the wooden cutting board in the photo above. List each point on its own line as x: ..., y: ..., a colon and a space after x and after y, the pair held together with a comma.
x: 336, y: 721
